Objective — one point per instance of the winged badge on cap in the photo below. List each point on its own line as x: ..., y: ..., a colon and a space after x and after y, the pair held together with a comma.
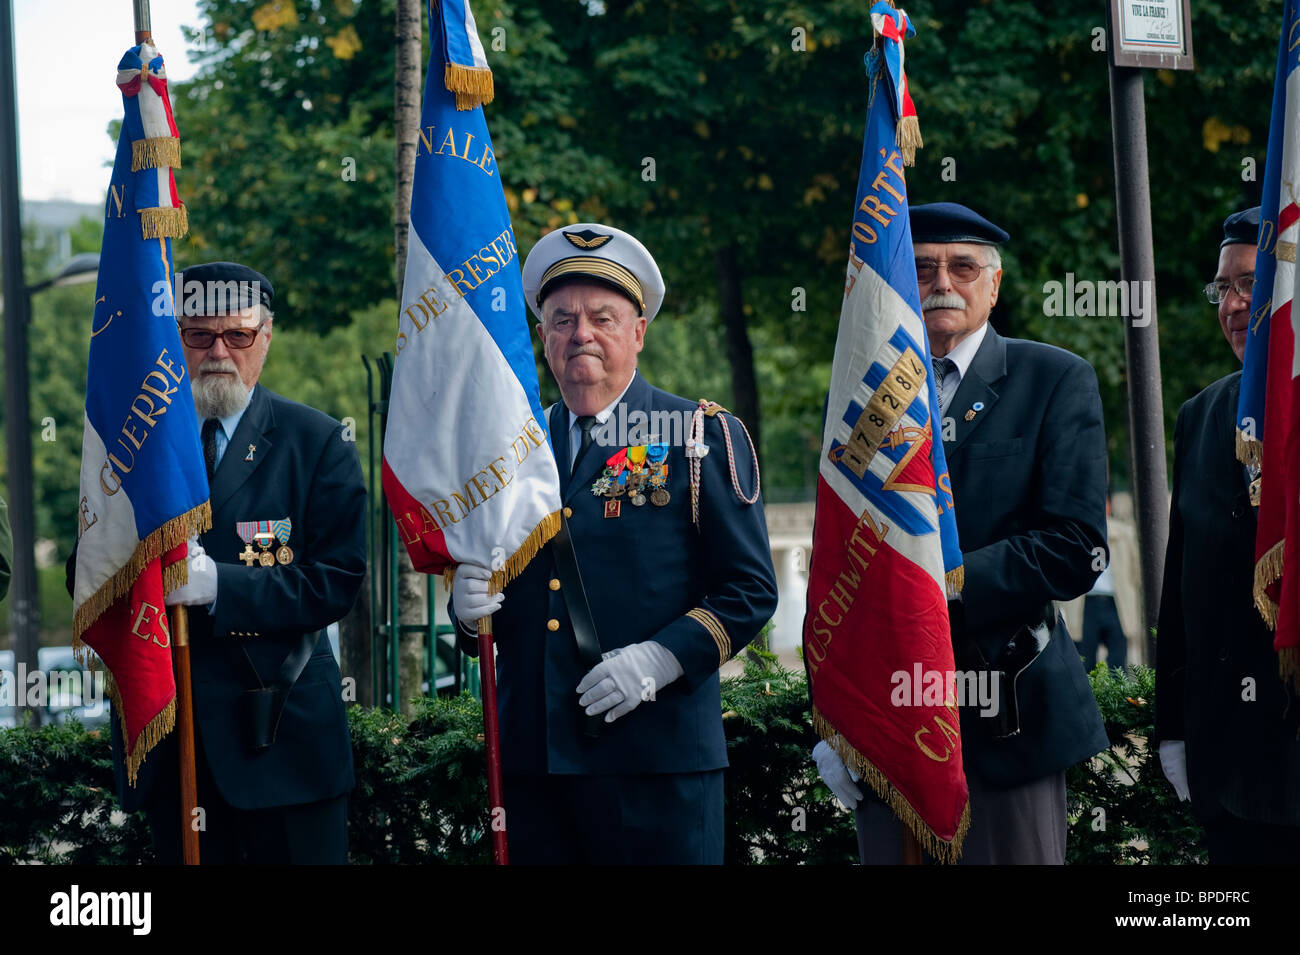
x: 586, y: 239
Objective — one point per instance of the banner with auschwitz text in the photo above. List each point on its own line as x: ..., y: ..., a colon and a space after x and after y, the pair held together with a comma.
x: 144, y: 491
x: 885, y: 554
x: 468, y: 469
x: 1269, y: 406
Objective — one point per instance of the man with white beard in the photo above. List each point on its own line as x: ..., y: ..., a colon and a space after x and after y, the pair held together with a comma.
x: 284, y: 559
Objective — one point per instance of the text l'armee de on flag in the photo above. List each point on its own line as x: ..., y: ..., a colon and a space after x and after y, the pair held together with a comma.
x: 468, y: 470
x: 885, y: 555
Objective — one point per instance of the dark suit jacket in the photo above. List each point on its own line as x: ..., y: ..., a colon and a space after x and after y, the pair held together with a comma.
x: 1028, y: 477
x: 302, y: 469
x: 643, y: 572
x: 1243, y: 757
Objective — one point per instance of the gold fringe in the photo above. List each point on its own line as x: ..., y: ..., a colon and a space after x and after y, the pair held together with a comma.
x: 954, y: 581
x: 156, y: 153
x: 1267, y: 570
x: 547, y: 528
x: 1248, y: 449
x: 176, y: 531
x: 176, y: 575
x: 471, y: 84
x: 1288, y: 666
x: 164, y: 222
x: 149, y: 737
x: 942, y: 850
x: 908, y: 137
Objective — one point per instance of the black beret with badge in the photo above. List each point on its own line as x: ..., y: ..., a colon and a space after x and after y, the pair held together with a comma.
x: 216, y: 288
x: 953, y: 222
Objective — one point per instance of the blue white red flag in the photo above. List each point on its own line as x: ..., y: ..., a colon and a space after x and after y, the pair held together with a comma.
x: 885, y: 555
x: 144, y: 491
x: 468, y: 469
x: 1269, y: 406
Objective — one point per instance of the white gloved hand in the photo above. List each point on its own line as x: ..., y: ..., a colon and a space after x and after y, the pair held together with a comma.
x: 838, y: 777
x: 201, y: 589
x: 626, y: 677
x: 1173, y: 760
x: 469, y: 595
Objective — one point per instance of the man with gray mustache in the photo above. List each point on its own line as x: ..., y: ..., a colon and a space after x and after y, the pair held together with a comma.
x: 1023, y: 435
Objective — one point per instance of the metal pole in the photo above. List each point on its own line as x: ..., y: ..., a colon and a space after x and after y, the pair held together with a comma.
x: 24, y: 605
x: 1141, y: 342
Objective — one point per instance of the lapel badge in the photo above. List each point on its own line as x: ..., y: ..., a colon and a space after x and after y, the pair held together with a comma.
x: 249, y: 455
x: 975, y: 409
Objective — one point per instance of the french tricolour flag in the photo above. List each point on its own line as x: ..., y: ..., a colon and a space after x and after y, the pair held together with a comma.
x: 1269, y: 406
x: 144, y: 490
x: 885, y: 555
x: 468, y: 469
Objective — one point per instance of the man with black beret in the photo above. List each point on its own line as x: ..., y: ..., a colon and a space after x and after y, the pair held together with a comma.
x: 1026, y: 451
x: 284, y: 559
x: 1227, y: 727
x: 610, y: 640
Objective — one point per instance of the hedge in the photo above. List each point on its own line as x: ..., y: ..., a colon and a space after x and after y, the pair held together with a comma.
x: 421, y: 795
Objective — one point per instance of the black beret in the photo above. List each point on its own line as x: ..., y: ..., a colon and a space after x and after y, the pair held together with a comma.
x: 953, y: 222
x: 1241, y: 228
x: 207, y: 290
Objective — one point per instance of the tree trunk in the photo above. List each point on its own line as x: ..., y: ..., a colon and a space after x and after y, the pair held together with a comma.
x: 406, y: 84
x: 739, y: 351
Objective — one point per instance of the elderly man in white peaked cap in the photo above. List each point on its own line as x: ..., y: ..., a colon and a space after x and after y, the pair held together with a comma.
x: 610, y: 641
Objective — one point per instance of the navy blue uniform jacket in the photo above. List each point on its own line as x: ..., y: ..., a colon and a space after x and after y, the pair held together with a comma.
x: 1028, y: 477
x: 1243, y: 756
x: 650, y: 574
x: 302, y: 469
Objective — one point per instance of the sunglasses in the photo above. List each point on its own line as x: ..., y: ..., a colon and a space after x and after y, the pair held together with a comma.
x: 202, y: 338
x: 963, y: 271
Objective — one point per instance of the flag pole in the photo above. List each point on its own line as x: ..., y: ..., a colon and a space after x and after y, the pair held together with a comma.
x: 180, y: 622
x: 911, y: 848
x: 492, y: 737
x: 180, y: 627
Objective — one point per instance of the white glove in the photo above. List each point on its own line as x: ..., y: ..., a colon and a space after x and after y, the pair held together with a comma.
x: 469, y: 595
x: 626, y: 677
x: 202, y: 587
x: 1173, y: 760
x: 838, y: 777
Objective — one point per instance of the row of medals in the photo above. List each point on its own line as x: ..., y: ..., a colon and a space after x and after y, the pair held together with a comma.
x: 632, y: 479
x: 283, y: 553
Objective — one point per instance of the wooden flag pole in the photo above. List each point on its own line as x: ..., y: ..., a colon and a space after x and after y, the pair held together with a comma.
x: 492, y: 737
x: 180, y: 621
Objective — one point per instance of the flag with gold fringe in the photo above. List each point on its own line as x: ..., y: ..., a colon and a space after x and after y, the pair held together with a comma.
x: 885, y: 555
x: 144, y: 491
x: 1269, y: 406
x: 468, y: 470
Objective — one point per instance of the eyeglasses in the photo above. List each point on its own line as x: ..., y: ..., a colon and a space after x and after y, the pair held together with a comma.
x: 202, y: 338
x: 1243, y: 285
x: 962, y: 271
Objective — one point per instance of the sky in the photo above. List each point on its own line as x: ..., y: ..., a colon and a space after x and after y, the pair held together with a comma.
x: 66, y: 57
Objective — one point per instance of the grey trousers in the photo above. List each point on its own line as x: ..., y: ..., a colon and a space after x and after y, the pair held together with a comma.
x: 1024, y: 825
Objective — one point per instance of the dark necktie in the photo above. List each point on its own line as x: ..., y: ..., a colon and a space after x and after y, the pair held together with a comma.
x: 586, y: 423
x: 941, y: 368
x: 210, y: 445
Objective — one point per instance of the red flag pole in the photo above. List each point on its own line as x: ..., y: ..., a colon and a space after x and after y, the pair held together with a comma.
x: 492, y: 736
x: 185, y: 732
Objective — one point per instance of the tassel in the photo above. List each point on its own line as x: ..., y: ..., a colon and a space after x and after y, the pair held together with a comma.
x: 471, y: 84
x: 1248, y: 449
x: 159, y: 152
x: 164, y: 222
x: 909, y: 139
x: 941, y: 849
x: 954, y: 581
x: 1267, y: 571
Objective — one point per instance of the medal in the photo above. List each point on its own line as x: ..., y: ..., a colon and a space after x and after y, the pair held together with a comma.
x: 282, y: 529
x: 660, y: 497
x: 246, y: 530
x: 612, y: 508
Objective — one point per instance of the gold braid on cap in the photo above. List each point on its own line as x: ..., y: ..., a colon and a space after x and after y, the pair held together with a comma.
x: 595, y: 266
